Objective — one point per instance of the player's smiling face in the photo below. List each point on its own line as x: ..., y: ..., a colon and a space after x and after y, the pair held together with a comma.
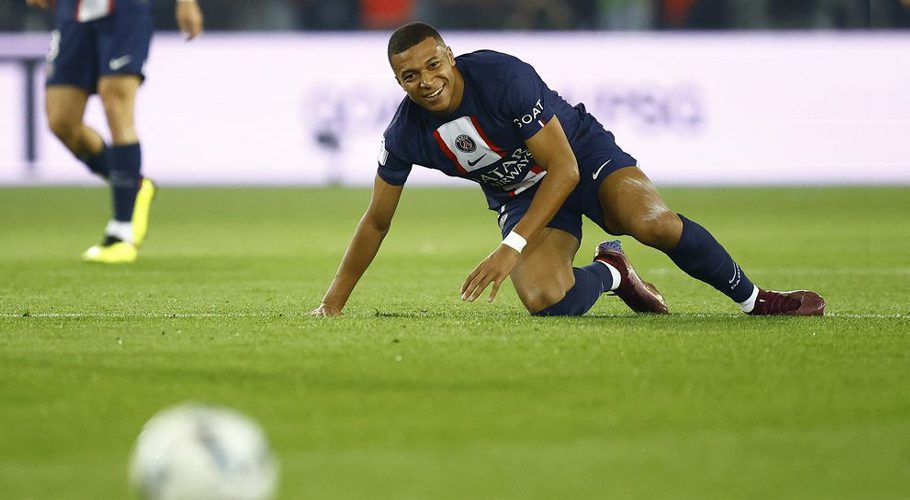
x: 428, y: 74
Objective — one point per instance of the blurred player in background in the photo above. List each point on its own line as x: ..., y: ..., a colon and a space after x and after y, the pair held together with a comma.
x: 542, y: 164
x: 100, y: 46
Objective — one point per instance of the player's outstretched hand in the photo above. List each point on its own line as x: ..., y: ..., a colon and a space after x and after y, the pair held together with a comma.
x: 41, y: 4
x: 326, y: 310
x: 494, y: 269
x: 189, y: 18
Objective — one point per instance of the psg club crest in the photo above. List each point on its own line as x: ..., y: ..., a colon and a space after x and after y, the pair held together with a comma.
x: 465, y: 144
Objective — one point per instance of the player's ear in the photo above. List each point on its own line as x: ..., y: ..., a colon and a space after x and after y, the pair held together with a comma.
x: 451, y: 55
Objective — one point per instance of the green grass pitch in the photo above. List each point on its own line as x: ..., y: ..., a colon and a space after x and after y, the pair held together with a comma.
x: 417, y: 395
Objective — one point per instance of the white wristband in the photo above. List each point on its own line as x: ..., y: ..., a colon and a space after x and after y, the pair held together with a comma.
x: 515, y: 240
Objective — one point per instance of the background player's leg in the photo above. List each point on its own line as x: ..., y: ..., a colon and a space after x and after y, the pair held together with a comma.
x: 118, y: 94
x: 546, y: 282
x: 632, y: 206
x: 65, y: 106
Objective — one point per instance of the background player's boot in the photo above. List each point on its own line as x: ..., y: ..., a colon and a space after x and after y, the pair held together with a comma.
x: 141, y: 209
x: 795, y: 303
x: 640, y: 296
x: 111, y: 251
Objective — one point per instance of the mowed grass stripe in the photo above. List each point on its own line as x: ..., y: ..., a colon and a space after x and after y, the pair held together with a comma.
x: 415, y: 394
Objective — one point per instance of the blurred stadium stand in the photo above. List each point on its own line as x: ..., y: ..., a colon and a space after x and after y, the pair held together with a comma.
x: 639, y: 15
x: 695, y: 89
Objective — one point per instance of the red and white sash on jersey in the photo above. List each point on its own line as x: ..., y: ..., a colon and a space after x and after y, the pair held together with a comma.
x: 466, y: 145
x: 89, y: 10
x: 469, y: 148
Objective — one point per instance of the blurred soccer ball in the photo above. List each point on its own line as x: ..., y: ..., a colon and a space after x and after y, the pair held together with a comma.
x: 195, y: 452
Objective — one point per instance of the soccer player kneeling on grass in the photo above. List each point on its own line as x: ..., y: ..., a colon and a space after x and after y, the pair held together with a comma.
x: 100, y: 46
x: 542, y: 164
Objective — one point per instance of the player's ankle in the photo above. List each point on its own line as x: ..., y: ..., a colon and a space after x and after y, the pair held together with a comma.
x: 122, y: 230
x: 749, y: 304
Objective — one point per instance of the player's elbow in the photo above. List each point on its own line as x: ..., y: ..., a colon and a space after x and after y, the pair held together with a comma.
x: 383, y: 226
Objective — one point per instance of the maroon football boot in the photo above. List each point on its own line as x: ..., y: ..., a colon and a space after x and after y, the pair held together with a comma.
x: 795, y: 303
x: 640, y: 296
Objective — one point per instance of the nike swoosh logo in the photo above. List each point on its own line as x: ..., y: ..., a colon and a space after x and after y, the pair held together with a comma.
x: 475, y: 162
x: 597, y: 172
x: 120, y: 62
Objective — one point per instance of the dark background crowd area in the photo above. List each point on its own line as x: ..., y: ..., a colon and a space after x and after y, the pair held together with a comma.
x: 516, y: 15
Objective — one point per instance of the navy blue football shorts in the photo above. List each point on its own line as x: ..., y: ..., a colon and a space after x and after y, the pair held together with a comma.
x: 594, y: 165
x: 118, y: 44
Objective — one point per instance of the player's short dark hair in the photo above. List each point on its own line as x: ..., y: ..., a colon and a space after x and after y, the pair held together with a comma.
x: 410, y: 35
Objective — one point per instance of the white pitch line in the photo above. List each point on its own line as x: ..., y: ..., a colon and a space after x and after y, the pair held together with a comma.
x: 868, y: 316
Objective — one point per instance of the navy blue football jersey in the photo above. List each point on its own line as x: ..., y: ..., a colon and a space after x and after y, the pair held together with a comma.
x: 505, y: 102
x: 89, y: 10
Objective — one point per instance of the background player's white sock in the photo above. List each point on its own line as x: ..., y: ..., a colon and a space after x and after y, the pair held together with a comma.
x: 749, y: 304
x: 120, y: 230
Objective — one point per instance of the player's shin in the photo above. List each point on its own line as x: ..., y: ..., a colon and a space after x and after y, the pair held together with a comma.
x: 703, y: 258
x: 125, y: 162
x: 98, y: 163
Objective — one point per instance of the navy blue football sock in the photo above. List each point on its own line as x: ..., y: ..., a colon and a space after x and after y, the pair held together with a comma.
x: 703, y: 258
x: 98, y: 163
x: 590, y: 281
x: 125, y: 162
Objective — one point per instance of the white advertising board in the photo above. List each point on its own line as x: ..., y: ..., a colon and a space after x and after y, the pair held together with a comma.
x: 309, y: 109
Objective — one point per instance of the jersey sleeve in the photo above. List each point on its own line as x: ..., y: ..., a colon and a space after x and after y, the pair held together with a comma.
x: 392, y: 169
x: 527, y: 101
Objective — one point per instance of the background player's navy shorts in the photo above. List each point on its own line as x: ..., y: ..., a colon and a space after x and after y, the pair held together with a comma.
x: 118, y: 44
x: 600, y: 158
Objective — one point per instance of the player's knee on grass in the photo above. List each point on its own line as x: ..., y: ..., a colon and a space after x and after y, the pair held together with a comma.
x: 544, y: 274
x: 537, y: 302
x: 537, y: 298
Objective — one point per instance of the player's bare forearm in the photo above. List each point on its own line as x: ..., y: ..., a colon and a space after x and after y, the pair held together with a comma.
x: 364, y: 246
x: 555, y: 187
x: 358, y: 257
x: 551, y: 150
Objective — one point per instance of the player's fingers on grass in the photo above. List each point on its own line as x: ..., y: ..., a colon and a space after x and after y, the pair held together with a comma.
x: 470, y: 294
x: 323, y: 311
x: 471, y: 277
x: 477, y: 286
x: 479, y: 290
x: 495, y: 289
x: 467, y: 282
